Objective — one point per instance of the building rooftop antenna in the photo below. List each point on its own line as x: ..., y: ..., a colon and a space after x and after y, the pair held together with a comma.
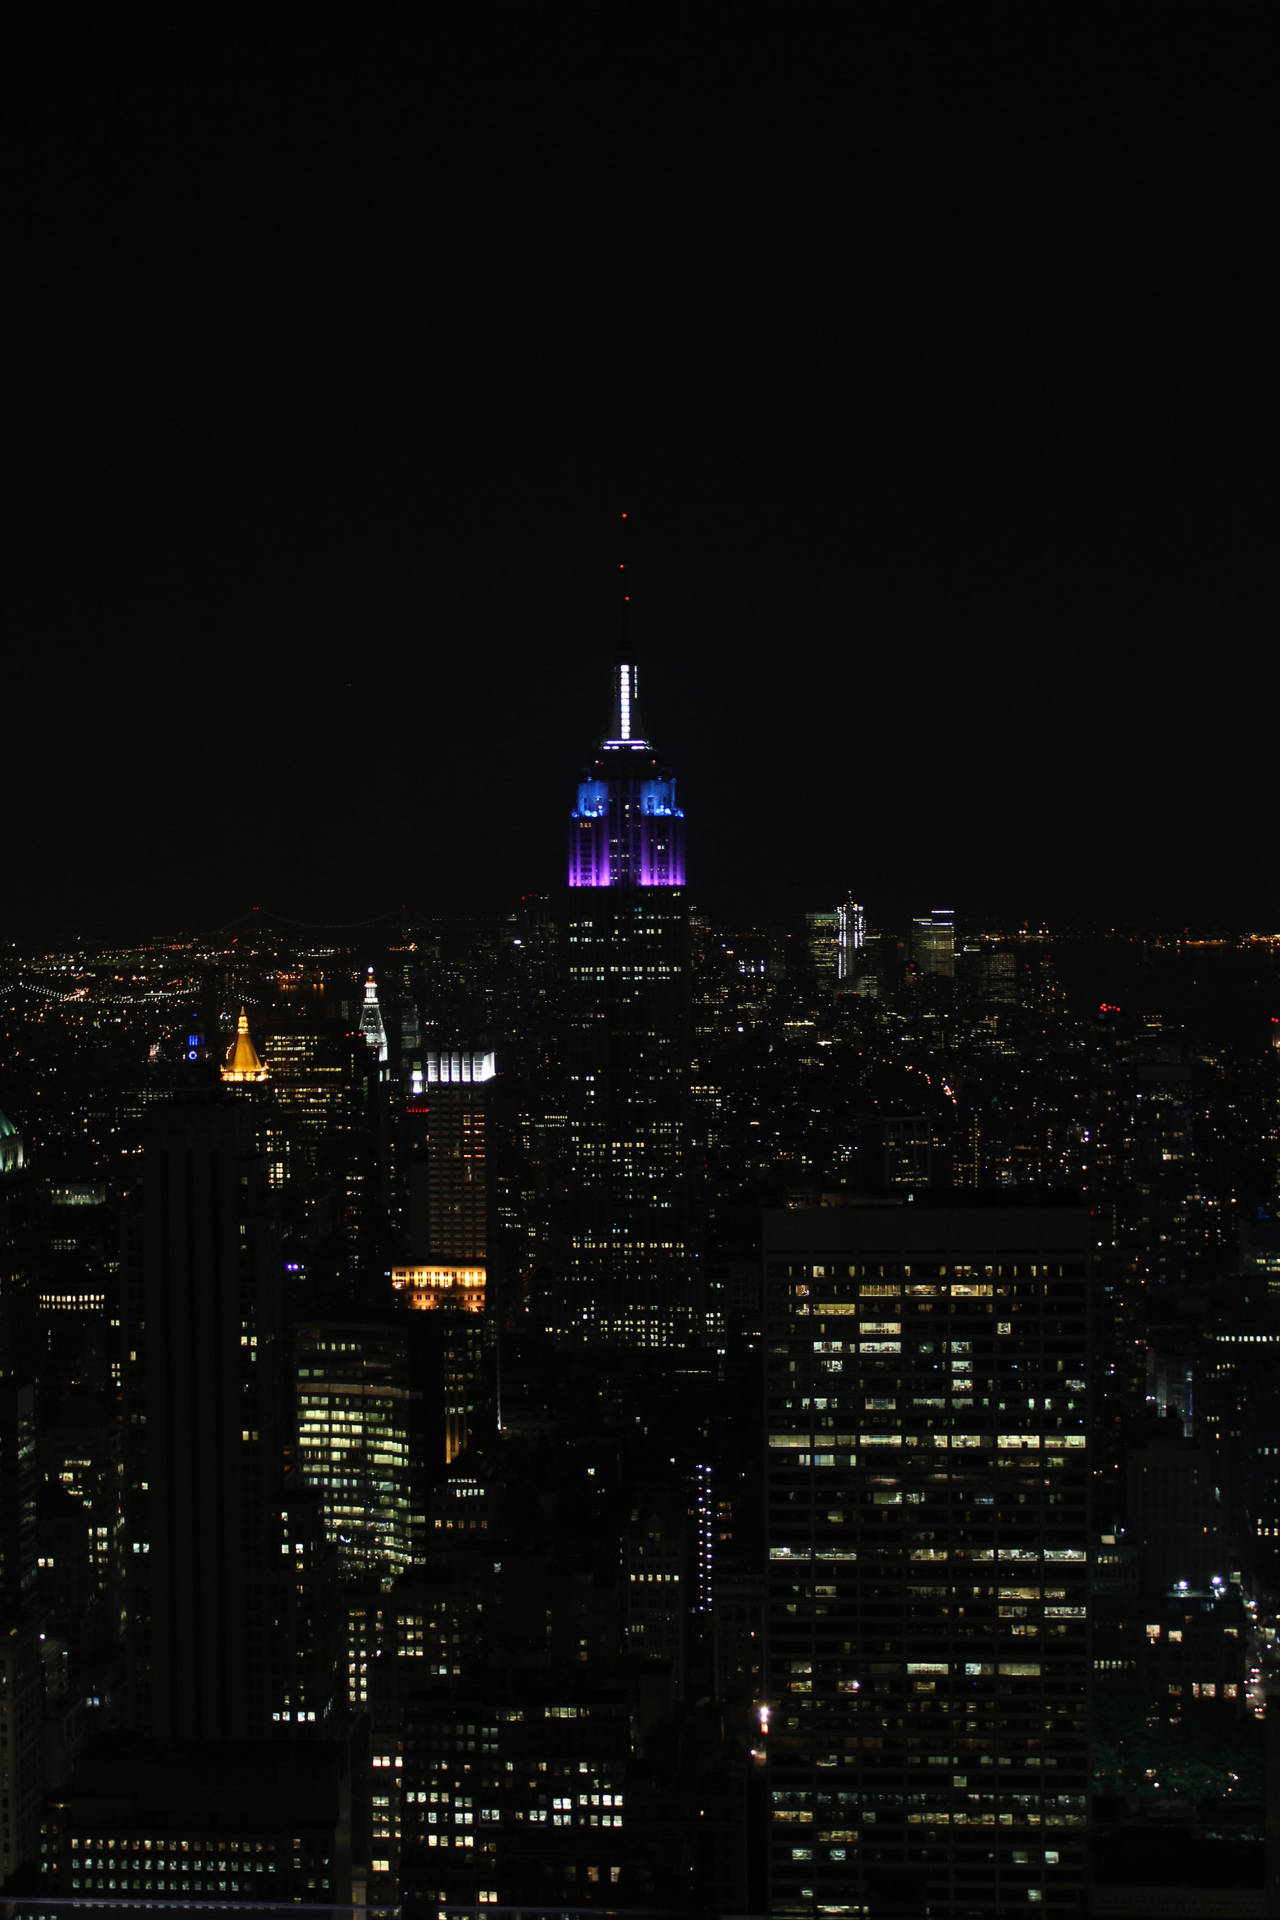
x: 627, y: 729
x: 624, y: 589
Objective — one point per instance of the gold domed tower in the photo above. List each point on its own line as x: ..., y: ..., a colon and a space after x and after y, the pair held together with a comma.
x: 242, y: 1058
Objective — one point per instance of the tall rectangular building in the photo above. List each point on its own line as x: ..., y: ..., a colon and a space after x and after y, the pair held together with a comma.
x: 933, y: 943
x: 851, y: 938
x: 628, y: 1271
x: 449, y: 1172
x: 225, y: 1545
x: 928, y: 1654
x: 356, y: 1441
x: 21, y: 1694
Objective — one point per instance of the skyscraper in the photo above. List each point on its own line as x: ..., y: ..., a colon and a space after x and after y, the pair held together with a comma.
x: 928, y: 1658
x: 357, y: 1440
x: 933, y: 943
x: 226, y: 1544
x: 449, y: 1179
x: 627, y: 830
x: 851, y: 938
x: 20, y: 1687
x: 627, y: 1268
x: 371, y: 1025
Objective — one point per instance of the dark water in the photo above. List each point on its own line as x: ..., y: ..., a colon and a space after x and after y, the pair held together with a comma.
x: 1221, y: 995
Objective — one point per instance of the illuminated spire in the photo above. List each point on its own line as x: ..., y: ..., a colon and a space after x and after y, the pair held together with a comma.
x: 371, y: 1019
x: 242, y: 1058
x: 627, y: 730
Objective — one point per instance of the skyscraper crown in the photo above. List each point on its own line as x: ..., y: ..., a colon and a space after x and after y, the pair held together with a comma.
x: 626, y: 829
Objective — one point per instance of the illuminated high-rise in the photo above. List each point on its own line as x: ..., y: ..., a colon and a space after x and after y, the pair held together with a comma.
x: 628, y: 1273
x: 356, y: 1440
x: 371, y: 1025
x: 933, y: 943
x: 928, y: 1487
x: 851, y: 938
x: 449, y: 1169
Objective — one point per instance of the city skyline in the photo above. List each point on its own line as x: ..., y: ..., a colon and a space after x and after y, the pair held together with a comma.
x: 652, y: 1422
x: 640, y: 1097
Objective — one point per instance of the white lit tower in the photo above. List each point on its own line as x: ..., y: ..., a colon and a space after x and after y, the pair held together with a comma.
x: 628, y: 1276
x: 851, y: 938
x: 371, y: 1026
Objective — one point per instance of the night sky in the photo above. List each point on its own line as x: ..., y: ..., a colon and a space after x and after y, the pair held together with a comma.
x: 931, y: 352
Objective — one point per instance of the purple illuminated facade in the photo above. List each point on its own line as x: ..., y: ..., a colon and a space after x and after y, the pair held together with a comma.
x: 626, y: 830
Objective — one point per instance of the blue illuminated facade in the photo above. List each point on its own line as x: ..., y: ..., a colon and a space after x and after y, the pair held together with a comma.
x: 626, y: 829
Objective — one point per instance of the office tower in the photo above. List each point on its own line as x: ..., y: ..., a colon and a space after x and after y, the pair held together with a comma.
x: 655, y: 1575
x: 851, y: 938
x: 449, y: 1167
x: 507, y: 1789
x: 448, y: 1352
x: 356, y: 1434
x: 21, y: 1759
x: 21, y: 1693
x: 76, y: 1300
x: 822, y: 935
x: 530, y: 987
x: 223, y: 1546
x: 306, y: 1074
x: 81, y: 1449
x: 933, y: 943
x: 447, y: 1121
x: 992, y: 970
x: 928, y: 1657
x: 908, y: 1151
x: 1176, y: 1519
x: 627, y: 1270
x: 18, y: 1475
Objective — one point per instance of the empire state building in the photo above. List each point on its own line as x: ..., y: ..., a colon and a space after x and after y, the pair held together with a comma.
x: 628, y: 1274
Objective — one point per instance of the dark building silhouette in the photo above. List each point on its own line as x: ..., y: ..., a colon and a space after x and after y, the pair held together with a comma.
x: 226, y: 1543
x: 20, y: 1678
